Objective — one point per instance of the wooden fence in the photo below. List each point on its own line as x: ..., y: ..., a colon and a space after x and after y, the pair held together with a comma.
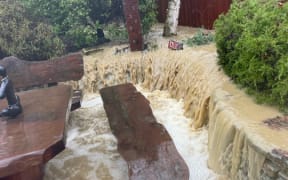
x: 196, y: 13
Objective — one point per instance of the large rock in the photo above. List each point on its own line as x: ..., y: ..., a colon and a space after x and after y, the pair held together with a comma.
x: 144, y: 144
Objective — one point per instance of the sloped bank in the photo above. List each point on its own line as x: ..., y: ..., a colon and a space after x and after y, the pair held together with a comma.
x: 241, y: 145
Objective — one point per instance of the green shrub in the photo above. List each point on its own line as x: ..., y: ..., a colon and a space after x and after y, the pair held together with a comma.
x: 76, y: 22
x: 200, y: 38
x: 252, y: 44
x: 148, y: 14
x: 116, y: 32
x: 72, y: 20
x: 27, y: 39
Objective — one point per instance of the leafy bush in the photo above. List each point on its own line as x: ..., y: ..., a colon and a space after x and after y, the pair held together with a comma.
x: 116, y: 32
x: 252, y: 44
x: 148, y: 14
x: 72, y: 20
x: 200, y: 38
x: 76, y: 22
x: 25, y: 38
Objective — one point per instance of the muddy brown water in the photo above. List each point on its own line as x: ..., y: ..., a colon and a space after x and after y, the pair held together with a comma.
x: 186, y: 89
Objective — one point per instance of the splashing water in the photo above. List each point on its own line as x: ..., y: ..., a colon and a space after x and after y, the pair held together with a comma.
x: 91, y: 148
x: 191, y: 144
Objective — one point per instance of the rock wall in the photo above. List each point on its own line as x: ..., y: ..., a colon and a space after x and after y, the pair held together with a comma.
x: 241, y: 145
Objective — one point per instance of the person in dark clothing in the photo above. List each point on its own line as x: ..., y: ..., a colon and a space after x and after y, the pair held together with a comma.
x: 6, y: 90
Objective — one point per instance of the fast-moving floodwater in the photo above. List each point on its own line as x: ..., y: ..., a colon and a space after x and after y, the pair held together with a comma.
x: 91, y: 151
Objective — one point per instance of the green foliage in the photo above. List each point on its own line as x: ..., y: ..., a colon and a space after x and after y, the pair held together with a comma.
x: 72, y: 19
x: 116, y: 32
x: 148, y: 14
x: 76, y: 21
x: 25, y: 38
x: 201, y: 37
x: 252, y: 44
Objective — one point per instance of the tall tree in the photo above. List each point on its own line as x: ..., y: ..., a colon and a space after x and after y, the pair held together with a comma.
x: 170, y: 27
x: 133, y: 24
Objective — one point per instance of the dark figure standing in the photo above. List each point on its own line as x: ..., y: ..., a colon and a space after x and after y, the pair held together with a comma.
x: 6, y: 90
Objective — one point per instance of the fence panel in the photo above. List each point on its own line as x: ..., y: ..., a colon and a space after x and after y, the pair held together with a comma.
x: 196, y: 13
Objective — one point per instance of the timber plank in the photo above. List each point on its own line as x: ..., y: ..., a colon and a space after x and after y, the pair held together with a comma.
x: 33, y: 73
x: 36, y: 135
x: 145, y: 144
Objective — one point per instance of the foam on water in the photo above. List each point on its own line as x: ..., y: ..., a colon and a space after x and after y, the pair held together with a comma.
x: 91, y: 149
x: 191, y: 144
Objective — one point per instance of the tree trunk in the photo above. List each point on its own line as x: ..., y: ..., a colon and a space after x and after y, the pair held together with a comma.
x: 170, y: 27
x: 133, y: 24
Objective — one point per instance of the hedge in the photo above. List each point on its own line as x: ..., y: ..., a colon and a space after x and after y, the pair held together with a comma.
x: 252, y: 44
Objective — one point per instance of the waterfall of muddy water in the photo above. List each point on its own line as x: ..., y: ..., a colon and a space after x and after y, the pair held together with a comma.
x: 91, y: 153
x: 190, y: 74
x: 239, y: 141
x: 240, y: 145
x: 191, y: 144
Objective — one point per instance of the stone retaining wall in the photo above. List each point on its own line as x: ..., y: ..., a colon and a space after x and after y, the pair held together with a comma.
x: 241, y: 145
